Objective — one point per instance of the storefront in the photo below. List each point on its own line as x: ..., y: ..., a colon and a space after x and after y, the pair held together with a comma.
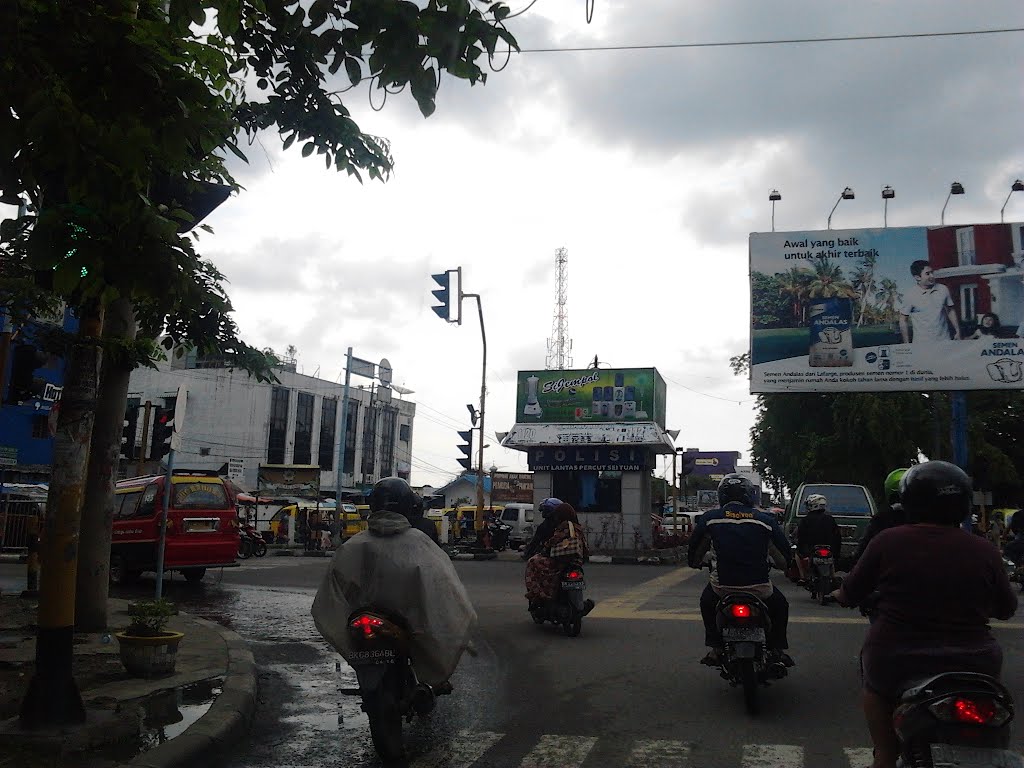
x: 591, y: 439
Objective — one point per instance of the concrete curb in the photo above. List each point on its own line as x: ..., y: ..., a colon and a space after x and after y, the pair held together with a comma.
x: 207, y: 742
x: 480, y: 556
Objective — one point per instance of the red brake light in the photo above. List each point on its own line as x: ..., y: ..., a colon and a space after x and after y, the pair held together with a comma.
x: 978, y: 711
x: 573, y: 575
x: 824, y: 552
x: 740, y: 611
x: 368, y: 624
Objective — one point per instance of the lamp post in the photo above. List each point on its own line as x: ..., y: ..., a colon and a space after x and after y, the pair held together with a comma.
x: 774, y: 197
x: 956, y: 188
x: 888, y: 193
x: 1018, y: 186
x: 846, y: 194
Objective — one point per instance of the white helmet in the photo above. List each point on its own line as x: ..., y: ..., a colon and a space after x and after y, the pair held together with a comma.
x: 817, y: 503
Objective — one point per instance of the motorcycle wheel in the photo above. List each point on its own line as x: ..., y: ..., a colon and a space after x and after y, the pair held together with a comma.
x: 537, y: 618
x: 823, y: 583
x: 385, y: 724
x: 574, y: 627
x: 748, y: 676
x: 260, y: 549
x: 244, y: 549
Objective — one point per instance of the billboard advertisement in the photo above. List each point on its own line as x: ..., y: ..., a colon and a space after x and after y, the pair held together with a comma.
x: 714, y: 464
x: 592, y: 395
x: 902, y: 308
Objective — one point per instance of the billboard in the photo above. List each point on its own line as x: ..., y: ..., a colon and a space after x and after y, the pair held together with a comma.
x: 902, y: 308
x: 713, y: 464
x: 512, y: 486
x: 592, y: 395
x: 301, y: 480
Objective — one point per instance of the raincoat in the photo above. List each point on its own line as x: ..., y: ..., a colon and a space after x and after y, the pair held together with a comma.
x: 397, y: 569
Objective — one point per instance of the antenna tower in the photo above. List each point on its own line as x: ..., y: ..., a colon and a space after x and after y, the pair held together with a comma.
x: 560, y: 345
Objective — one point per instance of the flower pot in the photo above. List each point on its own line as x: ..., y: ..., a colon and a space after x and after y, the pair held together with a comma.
x: 149, y: 656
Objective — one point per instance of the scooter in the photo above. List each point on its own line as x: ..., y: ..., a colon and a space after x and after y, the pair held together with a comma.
x: 500, y: 532
x: 955, y: 718
x: 568, y: 606
x: 743, y: 620
x: 822, y: 573
x: 250, y: 542
x: 388, y: 684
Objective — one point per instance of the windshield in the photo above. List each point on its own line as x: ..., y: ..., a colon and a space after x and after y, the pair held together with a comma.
x: 849, y: 500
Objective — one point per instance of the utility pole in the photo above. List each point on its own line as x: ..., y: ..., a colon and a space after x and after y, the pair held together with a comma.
x: 344, y: 426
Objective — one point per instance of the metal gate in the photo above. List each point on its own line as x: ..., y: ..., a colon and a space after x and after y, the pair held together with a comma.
x: 17, y: 517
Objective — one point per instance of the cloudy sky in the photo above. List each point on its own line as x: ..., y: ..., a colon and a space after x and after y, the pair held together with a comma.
x: 650, y: 166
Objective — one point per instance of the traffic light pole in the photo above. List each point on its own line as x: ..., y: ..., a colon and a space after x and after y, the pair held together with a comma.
x: 162, y: 542
x: 483, y: 401
x: 344, y: 428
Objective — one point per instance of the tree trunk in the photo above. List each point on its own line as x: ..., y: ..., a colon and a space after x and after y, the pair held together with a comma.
x: 98, y: 510
x: 53, y: 697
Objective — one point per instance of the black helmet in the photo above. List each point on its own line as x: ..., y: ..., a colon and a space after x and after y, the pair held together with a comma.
x: 936, y: 492
x: 735, y: 487
x: 393, y: 494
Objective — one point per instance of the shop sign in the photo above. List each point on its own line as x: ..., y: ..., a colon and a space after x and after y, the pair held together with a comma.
x: 589, y: 458
x: 512, y: 486
x: 523, y: 435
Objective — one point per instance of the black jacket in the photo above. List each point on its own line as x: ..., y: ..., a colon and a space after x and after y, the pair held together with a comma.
x: 818, y: 528
x: 544, y: 532
x: 422, y: 524
x: 887, y: 518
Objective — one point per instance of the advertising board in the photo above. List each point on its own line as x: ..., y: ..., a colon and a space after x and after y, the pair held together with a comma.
x: 301, y: 480
x: 714, y: 464
x: 512, y: 487
x: 591, y: 395
x: 901, y: 308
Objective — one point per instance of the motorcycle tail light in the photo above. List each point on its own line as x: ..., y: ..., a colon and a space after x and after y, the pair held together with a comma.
x: 367, y: 624
x: 976, y: 710
x: 824, y: 552
x: 740, y: 610
x: 573, y: 575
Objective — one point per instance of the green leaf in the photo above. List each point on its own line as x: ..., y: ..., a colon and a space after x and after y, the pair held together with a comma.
x: 354, y: 69
x: 290, y: 140
x: 308, y: 149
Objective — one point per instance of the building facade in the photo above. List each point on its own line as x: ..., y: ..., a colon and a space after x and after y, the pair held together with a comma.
x: 235, y: 423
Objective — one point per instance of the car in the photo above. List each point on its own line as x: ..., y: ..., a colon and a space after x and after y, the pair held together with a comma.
x: 521, y: 518
x: 851, y: 505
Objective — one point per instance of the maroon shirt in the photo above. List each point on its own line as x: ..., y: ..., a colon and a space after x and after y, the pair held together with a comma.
x: 939, y: 586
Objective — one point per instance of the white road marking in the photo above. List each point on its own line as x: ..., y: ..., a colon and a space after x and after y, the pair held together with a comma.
x: 859, y: 757
x: 463, y: 751
x: 772, y: 756
x: 559, y: 752
x: 660, y: 753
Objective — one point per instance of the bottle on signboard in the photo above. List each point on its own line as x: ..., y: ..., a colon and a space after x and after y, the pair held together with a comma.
x: 532, y: 407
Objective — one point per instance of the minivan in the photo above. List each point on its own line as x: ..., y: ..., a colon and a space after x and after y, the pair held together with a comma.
x: 202, y: 527
x: 520, y: 517
x: 851, y: 506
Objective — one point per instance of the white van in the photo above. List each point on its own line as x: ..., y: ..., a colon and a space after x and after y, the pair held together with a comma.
x: 520, y: 517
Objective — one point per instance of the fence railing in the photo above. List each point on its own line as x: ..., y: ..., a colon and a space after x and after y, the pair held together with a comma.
x: 17, y: 518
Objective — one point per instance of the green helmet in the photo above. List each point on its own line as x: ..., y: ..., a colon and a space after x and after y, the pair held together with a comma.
x: 892, y: 484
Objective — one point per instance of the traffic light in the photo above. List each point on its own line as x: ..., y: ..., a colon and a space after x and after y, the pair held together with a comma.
x: 25, y: 359
x: 474, y: 414
x: 449, y: 296
x: 467, y: 448
x: 688, y: 463
x: 163, y: 428
x: 131, y: 418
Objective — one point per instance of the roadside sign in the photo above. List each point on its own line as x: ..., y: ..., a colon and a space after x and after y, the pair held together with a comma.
x: 8, y: 456
x: 236, y: 469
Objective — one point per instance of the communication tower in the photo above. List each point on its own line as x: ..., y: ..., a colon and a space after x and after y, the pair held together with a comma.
x: 560, y: 345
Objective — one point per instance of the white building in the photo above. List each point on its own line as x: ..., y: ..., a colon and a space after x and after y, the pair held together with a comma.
x: 237, y: 420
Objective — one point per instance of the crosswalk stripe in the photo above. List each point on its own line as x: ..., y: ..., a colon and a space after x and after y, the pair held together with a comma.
x: 662, y: 753
x: 559, y: 752
x: 463, y: 751
x: 772, y: 756
x: 859, y: 757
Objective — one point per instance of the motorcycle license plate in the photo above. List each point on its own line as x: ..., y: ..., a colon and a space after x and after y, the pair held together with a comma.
x: 821, y: 560
x: 372, y: 658
x: 573, y: 585
x: 953, y: 756
x: 743, y: 634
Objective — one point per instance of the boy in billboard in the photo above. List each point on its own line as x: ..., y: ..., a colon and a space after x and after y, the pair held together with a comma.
x: 930, y: 306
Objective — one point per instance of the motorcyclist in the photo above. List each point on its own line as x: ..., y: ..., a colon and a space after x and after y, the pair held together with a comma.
x: 937, y: 588
x: 890, y: 517
x: 742, y: 539
x: 420, y: 523
x: 396, y: 569
x: 545, y: 530
x: 816, y: 528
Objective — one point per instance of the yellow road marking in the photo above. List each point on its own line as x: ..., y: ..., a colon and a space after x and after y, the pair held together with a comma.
x: 626, y: 602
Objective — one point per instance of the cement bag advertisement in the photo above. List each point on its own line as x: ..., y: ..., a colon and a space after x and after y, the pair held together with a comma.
x: 591, y: 395
x: 902, y: 308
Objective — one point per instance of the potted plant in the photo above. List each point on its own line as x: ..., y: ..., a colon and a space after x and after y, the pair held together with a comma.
x: 147, y: 648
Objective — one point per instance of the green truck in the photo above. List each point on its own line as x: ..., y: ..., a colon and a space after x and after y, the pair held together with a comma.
x: 851, y: 506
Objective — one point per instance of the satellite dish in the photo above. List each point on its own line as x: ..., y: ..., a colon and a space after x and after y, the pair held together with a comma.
x: 384, y: 372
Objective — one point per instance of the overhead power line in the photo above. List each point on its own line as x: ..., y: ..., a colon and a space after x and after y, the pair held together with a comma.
x: 781, y: 41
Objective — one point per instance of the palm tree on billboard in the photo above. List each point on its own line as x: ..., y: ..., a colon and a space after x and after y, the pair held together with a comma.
x: 828, y: 282
x: 865, y: 284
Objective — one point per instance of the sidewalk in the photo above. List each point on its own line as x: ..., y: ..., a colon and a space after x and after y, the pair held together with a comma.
x: 187, y: 720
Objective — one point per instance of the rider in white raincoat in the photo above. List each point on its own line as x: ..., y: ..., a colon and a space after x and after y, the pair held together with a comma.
x: 396, y: 569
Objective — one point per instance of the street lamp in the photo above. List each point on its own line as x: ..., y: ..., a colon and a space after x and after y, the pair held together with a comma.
x: 846, y: 194
x: 1018, y: 186
x: 774, y: 197
x: 956, y: 188
x: 888, y: 193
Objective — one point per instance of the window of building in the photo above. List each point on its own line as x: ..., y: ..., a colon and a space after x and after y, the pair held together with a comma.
x: 965, y: 247
x: 405, y: 432
x: 350, y: 437
x: 303, y: 429
x: 968, y: 303
x: 387, y: 442
x: 328, y: 415
x: 278, y: 425
x: 370, y: 442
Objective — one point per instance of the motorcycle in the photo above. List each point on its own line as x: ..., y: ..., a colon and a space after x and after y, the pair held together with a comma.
x: 743, y: 620
x: 388, y: 684
x: 499, y: 532
x: 250, y: 542
x: 955, y: 718
x: 568, y: 606
x: 823, y: 569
